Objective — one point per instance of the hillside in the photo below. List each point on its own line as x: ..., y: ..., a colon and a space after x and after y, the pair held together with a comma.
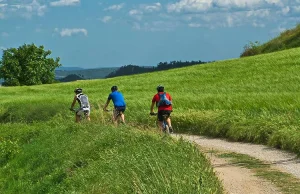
x: 286, y: 40
x: 254, y: 99
x: 96, y: 73
x: 162, y: 66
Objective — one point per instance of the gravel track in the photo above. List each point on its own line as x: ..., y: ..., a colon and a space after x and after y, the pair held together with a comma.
x: 285, y: 161
x: 238, y: 180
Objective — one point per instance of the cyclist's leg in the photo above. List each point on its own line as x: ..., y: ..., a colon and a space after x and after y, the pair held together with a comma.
x: 88, y: 118
x: 115, y: 115
x: 160, y: 119
x: 87, y: 113
x: 168, y: 120
x: 121, y: 113
x: 78, y: 115
x: 122, y: 116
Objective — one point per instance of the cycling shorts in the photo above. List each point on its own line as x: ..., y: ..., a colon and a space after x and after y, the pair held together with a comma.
x: 161, y: 113
x: 81, y: 111
x: 119, y: 109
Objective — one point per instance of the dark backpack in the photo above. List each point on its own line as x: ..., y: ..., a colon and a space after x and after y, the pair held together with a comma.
x: 163, y: 100
x: 83, y: 101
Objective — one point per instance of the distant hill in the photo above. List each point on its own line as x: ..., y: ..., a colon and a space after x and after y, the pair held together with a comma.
x: 71, y: 77
x: 97, y: 73
x: 62, y: 68
x: 286, y: 40
x: 134, y: 69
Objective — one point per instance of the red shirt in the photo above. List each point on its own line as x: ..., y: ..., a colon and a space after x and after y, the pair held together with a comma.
x: 164, y: 107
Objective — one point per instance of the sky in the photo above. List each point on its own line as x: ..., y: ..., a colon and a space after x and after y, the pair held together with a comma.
x: 113, y: 33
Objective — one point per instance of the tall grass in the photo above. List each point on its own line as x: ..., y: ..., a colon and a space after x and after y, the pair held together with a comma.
x: 60, y: 157
x: 286, y: 40
x: 254, y: 99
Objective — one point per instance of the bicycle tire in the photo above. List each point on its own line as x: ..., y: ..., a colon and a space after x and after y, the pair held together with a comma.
x: 167, y: 129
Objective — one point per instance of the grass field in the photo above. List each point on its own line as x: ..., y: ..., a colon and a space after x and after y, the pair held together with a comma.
x: 254, y: 99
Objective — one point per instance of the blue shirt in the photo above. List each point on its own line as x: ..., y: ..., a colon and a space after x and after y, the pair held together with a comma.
x: 117, y: 98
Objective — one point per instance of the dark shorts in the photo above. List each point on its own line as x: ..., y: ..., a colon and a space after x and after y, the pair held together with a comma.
x: 119, y: 110
x: 161, y: 113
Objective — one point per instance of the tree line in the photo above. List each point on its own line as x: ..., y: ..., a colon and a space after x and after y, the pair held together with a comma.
x: 31, y: 65
x: 135, y: 69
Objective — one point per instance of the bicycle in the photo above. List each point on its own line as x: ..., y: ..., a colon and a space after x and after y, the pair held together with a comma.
x: 116, y: 116
x: 166, y: 128
x: 83, y: 115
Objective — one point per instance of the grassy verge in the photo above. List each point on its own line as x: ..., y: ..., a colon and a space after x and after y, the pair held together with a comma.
x: 53, y: 157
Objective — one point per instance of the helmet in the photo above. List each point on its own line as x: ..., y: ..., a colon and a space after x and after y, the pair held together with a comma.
x: 160, y: 88
x: 114, y: 88
x: 78, y: 90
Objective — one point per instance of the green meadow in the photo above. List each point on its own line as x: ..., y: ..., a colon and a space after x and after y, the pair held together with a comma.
x: 254, y: 99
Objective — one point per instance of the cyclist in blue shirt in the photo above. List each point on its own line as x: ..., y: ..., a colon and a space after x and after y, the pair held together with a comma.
x: 119, y: 104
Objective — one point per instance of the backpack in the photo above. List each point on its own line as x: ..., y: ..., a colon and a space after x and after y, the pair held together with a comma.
x: 163, y: 100
x: 83, y: 101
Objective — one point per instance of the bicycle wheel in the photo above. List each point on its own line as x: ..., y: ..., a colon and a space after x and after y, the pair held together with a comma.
x: 166, y: 128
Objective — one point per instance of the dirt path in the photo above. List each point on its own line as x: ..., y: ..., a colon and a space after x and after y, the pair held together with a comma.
x: 238, y: 180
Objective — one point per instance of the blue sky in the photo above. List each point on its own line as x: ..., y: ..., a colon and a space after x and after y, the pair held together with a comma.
x: 106, y: 33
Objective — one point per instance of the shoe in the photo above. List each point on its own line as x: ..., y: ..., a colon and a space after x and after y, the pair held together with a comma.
x: 170, y: 129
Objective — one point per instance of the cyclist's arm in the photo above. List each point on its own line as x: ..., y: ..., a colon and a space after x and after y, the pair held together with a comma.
x: 106, y: 104
x: 152, y: 107
x: 73, y: 103
x: 170, y: 98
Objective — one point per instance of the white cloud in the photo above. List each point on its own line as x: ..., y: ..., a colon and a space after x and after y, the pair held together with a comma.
x: 297, y: 8
x: 214, y: 20
x: 155, y: 26
x: 231, y: 13
x: 115, y: 7
x: 106, y: 19
x: 285, y: 10
x: 190, y: 5
x: 151, y: 8
x: 65, y: 3
x: 230, y: 21
x: 27, y: 10
x: 194, y: 25
x: 137, y: 14
x: 275, y: 2
x: 256, y: 24
x: 71, y: 31
x: 206, y: 5
x: 262, y: 13
x: 237, y: 3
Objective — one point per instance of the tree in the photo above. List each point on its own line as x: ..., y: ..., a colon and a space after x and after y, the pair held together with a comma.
x: 27, y: 65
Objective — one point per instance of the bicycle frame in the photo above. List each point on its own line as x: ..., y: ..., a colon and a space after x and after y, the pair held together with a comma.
x: 166, y: 128
x: 165, y: 124
x: 116, y: 116
x: 82, y: 116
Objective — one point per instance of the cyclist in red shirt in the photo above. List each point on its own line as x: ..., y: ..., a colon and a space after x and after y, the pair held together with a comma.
x: 163, y: 107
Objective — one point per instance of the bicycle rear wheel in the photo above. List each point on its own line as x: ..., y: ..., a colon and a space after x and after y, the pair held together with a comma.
x: 166, y: 128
